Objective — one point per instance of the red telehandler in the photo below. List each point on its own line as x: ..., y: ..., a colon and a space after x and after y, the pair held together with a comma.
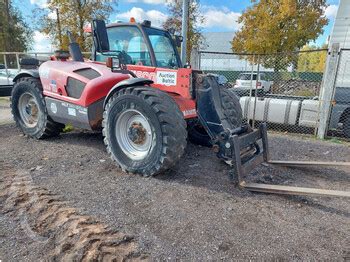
x: 145, y: 101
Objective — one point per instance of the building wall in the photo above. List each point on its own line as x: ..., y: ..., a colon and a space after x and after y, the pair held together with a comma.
x: 341, y: 34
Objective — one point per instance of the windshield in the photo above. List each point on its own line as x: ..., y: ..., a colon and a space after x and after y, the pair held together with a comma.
x: 164, y: 50
x: 128, y: 43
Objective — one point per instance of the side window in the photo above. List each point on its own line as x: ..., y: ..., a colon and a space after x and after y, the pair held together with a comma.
x: 129, y: 43
x: 163, y: 51
x: 262, y: 77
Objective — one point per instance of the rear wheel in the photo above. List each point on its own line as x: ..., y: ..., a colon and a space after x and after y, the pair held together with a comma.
x: 29, y: 109
x: 197, y: 133
x: 232, y: 110
x: 144, y: 130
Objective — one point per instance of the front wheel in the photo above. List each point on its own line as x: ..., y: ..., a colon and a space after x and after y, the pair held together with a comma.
x: 144, y: 130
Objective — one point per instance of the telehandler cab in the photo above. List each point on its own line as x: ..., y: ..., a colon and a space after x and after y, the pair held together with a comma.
x: 137, y: 91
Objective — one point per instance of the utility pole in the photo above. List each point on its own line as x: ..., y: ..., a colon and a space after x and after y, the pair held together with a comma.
x: 6, y: 26
x: 59, y: 28
x: 184, y: 30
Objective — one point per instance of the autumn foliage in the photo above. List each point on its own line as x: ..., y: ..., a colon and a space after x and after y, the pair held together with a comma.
x: 73, y: 15
x: 279, y: 26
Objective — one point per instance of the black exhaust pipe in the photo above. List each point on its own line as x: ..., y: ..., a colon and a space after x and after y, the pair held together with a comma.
x: 74, y: 49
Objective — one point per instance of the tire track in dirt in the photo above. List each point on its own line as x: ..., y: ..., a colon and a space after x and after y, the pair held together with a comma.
x: 46, y: 218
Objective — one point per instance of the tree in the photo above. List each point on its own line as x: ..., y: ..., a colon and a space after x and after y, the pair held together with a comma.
x: 279, y: 26
x: 15, y: 34
x: 174, y: 23
x: 312, y: 61
x: 72, y: 15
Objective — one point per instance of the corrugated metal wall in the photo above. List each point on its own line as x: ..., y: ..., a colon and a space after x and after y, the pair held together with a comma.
x: 341, y: 35
x: 341, y: 29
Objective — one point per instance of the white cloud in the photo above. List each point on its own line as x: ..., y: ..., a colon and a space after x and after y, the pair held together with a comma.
x: 42, y: 42
x: 40, y: 3
x: 220, y: 17
x: 38, y: 37
x: 52, y: 15
x: 331, y: 11
x: 156, y: 17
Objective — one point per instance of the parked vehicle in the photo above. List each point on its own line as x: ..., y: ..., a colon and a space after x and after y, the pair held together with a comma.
x: 136, y: 91
x: 299, y: 111
x: 245, y: 82
x: 6, y: 80
x: 143, y: 102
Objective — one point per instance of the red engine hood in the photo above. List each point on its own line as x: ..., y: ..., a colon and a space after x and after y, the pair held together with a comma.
x: 54, y: 76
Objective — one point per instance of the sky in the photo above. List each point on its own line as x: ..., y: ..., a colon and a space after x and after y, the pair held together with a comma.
x: 220, y: 16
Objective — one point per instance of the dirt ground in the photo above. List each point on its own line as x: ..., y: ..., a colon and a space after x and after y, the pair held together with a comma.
x: 5, y: 111
x: 63, y: 199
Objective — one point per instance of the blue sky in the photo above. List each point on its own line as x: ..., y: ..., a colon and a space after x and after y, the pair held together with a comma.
x: 220, y: 16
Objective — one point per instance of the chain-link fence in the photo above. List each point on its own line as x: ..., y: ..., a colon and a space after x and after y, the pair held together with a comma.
x: 281, y: 89
x: 339, y: 121
x: 10, y: 65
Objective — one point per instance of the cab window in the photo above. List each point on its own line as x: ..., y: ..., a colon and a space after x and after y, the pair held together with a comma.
x: 163, y: 48
x: 128, y: 42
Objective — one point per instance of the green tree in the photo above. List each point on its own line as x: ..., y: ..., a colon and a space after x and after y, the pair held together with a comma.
x: 312, y: 61
x: 72, y: 15
x: 174, y: 23
x: 279, y: 26
x: 15, y: 34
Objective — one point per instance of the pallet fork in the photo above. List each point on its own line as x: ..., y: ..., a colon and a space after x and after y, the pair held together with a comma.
x: 240, y: 147
x: 244, y: 165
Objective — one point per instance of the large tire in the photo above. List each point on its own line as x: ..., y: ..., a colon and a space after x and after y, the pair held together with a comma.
x: 29, y: 109
x: 232, y: 110
x: 197, y: 133
x: 144, y: 130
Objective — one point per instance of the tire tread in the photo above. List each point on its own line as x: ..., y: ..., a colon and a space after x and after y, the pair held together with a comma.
x: 170, y: 119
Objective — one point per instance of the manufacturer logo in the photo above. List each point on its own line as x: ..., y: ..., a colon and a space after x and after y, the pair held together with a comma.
x: 189, y: 112
x: 142, y: 74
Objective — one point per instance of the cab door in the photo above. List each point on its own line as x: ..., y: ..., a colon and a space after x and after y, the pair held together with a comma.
x: 129, y: 44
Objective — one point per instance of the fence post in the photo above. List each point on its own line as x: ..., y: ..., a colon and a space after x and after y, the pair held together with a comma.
x: 195, y: 58
x: 6, y: 67
x: 256, y: 90
x: 17, y: 61
x: 327, y: 88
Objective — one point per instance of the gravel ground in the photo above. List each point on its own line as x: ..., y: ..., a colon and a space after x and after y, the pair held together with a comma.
x: 5, y: 111
x: 63, y: 196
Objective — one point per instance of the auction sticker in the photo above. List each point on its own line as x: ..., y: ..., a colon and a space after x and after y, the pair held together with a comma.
x: 166, y: 78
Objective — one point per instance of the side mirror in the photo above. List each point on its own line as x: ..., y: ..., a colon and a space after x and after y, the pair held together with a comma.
x: 100, y: 36
x: 178, y: 40
x: 115, y: 63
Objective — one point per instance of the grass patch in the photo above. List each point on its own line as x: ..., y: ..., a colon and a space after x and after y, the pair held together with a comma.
x: 335, y: 140
x: 304, y: 92
x: 68, y: 128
